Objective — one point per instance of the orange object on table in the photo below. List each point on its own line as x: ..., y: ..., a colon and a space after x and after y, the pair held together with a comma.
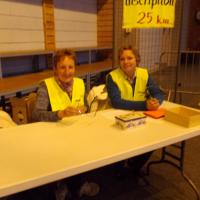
x: 156, y: 113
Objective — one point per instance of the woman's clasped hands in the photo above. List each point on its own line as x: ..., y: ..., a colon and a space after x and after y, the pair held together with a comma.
x: 152, y: 104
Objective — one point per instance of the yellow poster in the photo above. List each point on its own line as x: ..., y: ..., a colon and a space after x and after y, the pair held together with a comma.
x: 149, y: 13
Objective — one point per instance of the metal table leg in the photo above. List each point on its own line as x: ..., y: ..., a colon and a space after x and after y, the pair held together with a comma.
x: 177, y: 161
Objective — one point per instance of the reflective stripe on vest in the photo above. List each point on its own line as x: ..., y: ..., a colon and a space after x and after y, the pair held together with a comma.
x: 59, y: 99
x: 125, y: 87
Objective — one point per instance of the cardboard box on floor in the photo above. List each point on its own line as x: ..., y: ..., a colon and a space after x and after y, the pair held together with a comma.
x: 22, y: 108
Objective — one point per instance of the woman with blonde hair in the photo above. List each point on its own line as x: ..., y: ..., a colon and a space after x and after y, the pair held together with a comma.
x: 130, y: 87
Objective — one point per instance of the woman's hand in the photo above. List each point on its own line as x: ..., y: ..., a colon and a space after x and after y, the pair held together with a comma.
x: 71, y: 111
x: 152, y: 104
x: 81, y: 109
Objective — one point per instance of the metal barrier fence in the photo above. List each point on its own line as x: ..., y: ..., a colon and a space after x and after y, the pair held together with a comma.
x: 179, y: 75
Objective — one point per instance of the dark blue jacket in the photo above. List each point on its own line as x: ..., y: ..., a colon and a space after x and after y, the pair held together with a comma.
x: 117, y: 102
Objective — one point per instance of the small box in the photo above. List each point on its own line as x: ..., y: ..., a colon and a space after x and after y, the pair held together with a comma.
x: 22, y: 108
x: 183, y: 116
x: 131, y: 119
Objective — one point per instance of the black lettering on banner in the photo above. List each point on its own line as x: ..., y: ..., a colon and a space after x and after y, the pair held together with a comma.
x: 158, y: 20
x: 139, y: 2
x: 166, y: 2
x: 135, y: 2
x: 151, y: 3
x: 141, y: 18
x: 127, y: 2
x: 131, y: 2
x: 154, y: 2
x: 145, y: 2
x: 145, y: 17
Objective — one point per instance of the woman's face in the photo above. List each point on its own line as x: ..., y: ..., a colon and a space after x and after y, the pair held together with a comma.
x: 65, y: 69
x: 128, y: 62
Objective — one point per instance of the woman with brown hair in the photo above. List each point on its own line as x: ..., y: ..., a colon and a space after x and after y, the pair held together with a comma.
x: 63, y: 94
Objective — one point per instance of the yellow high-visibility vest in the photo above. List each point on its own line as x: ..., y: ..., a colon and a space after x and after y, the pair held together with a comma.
x: 59, y: 99
x: 125, y: 87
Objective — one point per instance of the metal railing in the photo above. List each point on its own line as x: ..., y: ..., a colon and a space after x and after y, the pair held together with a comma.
x: 179, y: 74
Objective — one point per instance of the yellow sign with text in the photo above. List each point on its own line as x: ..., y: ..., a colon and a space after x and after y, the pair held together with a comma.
x: 149, y: 13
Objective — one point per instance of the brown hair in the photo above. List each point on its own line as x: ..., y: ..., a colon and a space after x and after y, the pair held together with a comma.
x: 134, y: 50
x: 60, y: 54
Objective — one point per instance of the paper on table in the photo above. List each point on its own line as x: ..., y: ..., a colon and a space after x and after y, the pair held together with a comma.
x: 110, y: 114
